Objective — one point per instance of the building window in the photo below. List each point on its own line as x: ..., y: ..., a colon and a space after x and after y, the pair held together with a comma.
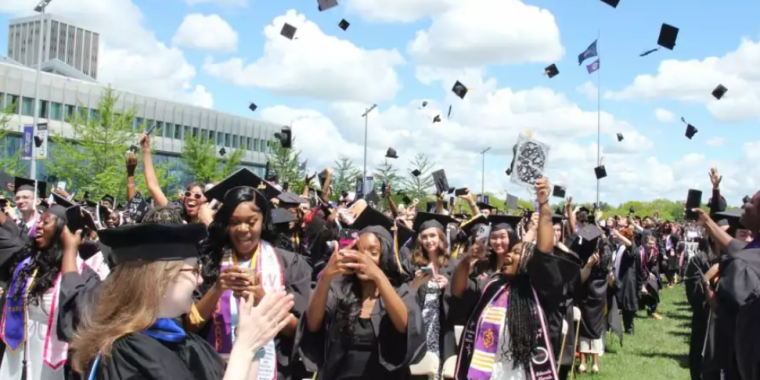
x: 219, y: 138
x: 255, y: 145
x: 169, y: 130
x: 27, y: 106
x: 211, y: 136
x: 12, y: 102
x: 148, y: 123
x: 138, y: 123
x: 235, y: 141
x: 178, y: 132
x: 55, y: 111
x: 94, y: 114
x: 227, y: 140
x: 195, y: 133
x: 69, y: 111
x: 43, y: 109
x: 83, y: 113
x: 159, y: 129
x: 248, y: 143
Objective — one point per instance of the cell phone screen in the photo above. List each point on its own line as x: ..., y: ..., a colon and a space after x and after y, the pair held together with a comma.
x: 693, y: 200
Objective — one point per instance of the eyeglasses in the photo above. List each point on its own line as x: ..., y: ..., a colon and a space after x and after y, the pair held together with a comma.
x: 189, y: 194
x: 196, y: 270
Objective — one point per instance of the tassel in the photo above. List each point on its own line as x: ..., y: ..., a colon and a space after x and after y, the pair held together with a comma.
x: 194, y: 317
x: 395, y: 248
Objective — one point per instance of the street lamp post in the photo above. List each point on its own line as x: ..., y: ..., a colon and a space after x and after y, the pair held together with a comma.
x: 366, y: 123
x: 41, y: 9
x: 483, y: 174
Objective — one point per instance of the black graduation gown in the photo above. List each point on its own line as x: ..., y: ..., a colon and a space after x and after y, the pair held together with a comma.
x: 78, y: 293
x: 739, y: 295
x: 325, y: 350
x: 650, y: 277
x: 297, y: 273
x: 12, y: 247
x: 628, y: 282
x: 140, y: 357
x: 696, y: 294
x: 592, y: 299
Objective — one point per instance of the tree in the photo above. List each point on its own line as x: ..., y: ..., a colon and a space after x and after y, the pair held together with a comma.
x: 95, y: 161
x: 386, y: 173
x: 202, y: 162
x: 9, y: 164
x: 345, y: 174
x: 419, y: 186
x: 286, y: 162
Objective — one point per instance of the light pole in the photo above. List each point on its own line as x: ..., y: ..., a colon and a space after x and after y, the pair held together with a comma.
x: 366, y: 123
x: 41, y: 9
x: 483, y: 174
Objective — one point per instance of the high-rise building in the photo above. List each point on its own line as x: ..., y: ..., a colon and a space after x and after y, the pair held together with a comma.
x: 65, y: 44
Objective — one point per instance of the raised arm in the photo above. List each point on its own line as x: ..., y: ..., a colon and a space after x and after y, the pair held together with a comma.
x: 151, y: 180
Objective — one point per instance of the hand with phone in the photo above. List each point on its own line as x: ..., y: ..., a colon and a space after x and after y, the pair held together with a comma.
x: 144, y: 141
x: 422, y: 276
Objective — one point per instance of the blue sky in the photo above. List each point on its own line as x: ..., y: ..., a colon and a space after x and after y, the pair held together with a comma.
x: 707, y: 28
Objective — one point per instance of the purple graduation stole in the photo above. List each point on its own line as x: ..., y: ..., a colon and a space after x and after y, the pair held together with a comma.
x: 13, y: 331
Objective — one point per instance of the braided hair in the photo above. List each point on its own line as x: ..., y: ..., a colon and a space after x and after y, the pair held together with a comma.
x: 522, y: 313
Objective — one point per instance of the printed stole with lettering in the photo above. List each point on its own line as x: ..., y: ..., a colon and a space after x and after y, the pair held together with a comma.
x: 479, y: 350
x: 266, y: 263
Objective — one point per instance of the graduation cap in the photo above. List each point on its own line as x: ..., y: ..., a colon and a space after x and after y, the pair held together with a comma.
x: 324, y: 5
x: 459, y: 89
x: 406, y: 199
x: 600, y: 172
x: 391, y: 153
x: 437, y: 119
x: 58, y: 211
x: 242, y: 177
x: 281, y: 216
x: 343, y: 24
x: 440, y: 181
x: 668, y: 35
x: 448, y: 115
x: 288, y: 200
x: 253, y: 107
x: 373, y: 217
x: 690, y: 129
x: 551, y: 71
x: 719, y: 91
x: 558, y: 216
x: 511, y: 201
x: 38, y: 141
x: 59, y: 200
x: 620, y: 137
x: 43, y: 206
x: 108, y: 198
x: 585, y: 241
x: 612, y: 3
x: 485, y: 206
x: 733, y: 217
x: 472, y: 225
x: 21, y: 183
x: 285, y: 137
x: 222, y: 152
x: 154, y: 242
x: 559, y: 191
x: 78, y: 219
x: 425, y: 220
x: 288, y: 31
x: 416, y: 172
x: 499, y: 222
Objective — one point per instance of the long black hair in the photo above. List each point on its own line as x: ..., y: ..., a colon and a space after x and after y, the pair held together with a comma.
x: 212, y: 249
x: 47, y: 263
x: 522, y: 314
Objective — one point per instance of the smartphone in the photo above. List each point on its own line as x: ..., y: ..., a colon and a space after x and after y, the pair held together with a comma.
x: 693, y: 200
x: 460, y: 192
x: 150, y: 129
x: 427, y: 270
x: 483, y: 234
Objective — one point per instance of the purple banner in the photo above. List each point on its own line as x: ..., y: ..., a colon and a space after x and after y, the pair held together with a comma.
x: 26, y: 142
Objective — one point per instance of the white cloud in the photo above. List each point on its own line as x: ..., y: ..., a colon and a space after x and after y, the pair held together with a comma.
x: 131, y: 57
x: 664, y: 115
x: 717, y: 141
x: 693, y: 81
x: 203, y: 32
x: 589, y: 90
x: 229, y: 3
x: 314, y: 65
x: 402, y: 11
x: 479, y: 32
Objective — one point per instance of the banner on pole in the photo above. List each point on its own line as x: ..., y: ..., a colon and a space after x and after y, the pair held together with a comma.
x: 41, y: 141
x: 27, y: 139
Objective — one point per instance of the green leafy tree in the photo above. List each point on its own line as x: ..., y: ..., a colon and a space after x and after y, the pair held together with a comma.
x: 286, y: 162
x: 419, y: 186
x: 10, y: 164
x: 345, y: 174
x: 386, y: 173
x: 95, y: 161
x: 202, y: 163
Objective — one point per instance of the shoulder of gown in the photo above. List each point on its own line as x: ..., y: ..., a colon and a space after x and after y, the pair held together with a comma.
x: 740, y: 278
x: 12, y: 242
x: 138, y: 356
x: 297, y: 279
x: 77, y: 292
x: 550, y: 276
x: 390, y: 341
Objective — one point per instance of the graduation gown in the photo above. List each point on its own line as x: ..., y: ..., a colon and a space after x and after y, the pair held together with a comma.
x: 592, y: 299
x: 326, y: 349
x: 79, y: 293
x: 139, y: 356
x: 696, y: 294
x: 628, y: 281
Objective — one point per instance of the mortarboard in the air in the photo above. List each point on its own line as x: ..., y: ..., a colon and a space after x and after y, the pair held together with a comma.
x: 108, y: 198
x: 668, y: 36
x: 406, y: 199
x: 59, y: 200
x: 343, y: 24
x: 484, y: 206
x: 416, y: 172
x: 242, y: 177
x: 391, y: 153
x: 440, y: 181
x: 459, y: 89
x: 252, y: 107
x: 288, y: 200
x: 620, y: 137
x: 691, y: 131
x: 222, y: 151
x: 425, y: 220
x: 719, y: 91
x: 281, y: 216
x: 612, y: 3
x: 285, y: 137
x: 437, y: 119
x: 288, y: 31
x: 551, y: 71
x: 585, y: 241
x: 21, y: 183
x: 500, y: 222
x: 324, y: 5
x: 559, y: 191
x: 154, y: 242
x: 600, y: 172
x: 511, y: 201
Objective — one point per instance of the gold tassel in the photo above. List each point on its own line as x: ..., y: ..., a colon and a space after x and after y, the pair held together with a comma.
x: 194, y: 317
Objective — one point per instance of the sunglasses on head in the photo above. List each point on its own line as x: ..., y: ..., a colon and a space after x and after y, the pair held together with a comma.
x: 190, y: 194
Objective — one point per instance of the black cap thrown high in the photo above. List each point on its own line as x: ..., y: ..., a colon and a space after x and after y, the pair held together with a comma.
x: 600, y: 172
x: 612, y: 3
x: 551, y: 71
x: 690, y: 131
x: 21, y: 183
x: 108, y: 198
x: 416, y: 172
x: 154, y: 242
x: 391, y: 153
x: 324, y: 5
x: 425, y: 220
x: 440, y: 181
x: 459, y: 89
x: 668, y: 36
x: 719, y: 91
x: 620, y: 137
x: 288, y: 31
x: 242, y: 177
x: 343, y: 24
x: 252, y: 107
x: 559, y: 191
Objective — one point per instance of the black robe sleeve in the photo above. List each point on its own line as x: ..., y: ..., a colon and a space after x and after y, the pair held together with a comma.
x: 297, y: 283
x: 550, y: 275
x: 77, y: 292
x: 12, y: 243
x: 740, y: 279
x: 396, y: 349
x: 313, y: 345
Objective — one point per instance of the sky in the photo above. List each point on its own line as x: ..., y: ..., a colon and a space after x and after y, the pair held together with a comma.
x: 224, y: 54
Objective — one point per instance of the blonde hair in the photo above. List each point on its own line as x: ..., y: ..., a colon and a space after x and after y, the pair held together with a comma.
x: 128, y: 302
x: 420, y: 257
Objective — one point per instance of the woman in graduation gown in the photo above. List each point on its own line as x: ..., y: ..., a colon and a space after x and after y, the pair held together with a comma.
x: 506, y: 336
x: 650, y: 275
x: 593, y: 299
x: 433, y: 267
x: 135, y: 333
x: 363, y: 321
x: 238, y: 257
x: 627, y: 282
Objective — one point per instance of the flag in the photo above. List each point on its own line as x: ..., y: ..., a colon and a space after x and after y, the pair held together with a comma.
x: 589, y: 53
x: 593, y: 66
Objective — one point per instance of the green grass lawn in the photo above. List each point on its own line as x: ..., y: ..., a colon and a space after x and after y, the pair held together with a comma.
x: 658, y: 350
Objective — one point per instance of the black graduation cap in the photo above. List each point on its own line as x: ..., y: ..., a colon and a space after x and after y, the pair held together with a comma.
x: 459, y: 89
x: 558, y: 216
x: 496, y: 219
x: 470, y: 226
x: 416, y: 172
x: 585, y: 241
x: 281, y: 216
x: 600, y: 172
x: 288, y: 199
x: 21, y: 183
x: 58, y: 211
x: 406, y: 199
x: 733, y: 218
x: 612, y: 3
x: 440, y: 181
x: 691, y: 131
x: 425, y: 220
x: 668, y: 35
x: 253, y: 107
x: 485, y: 206
x: 511, y: 201
x: 559, y: 191
x: 326, y: 4
x: 43, y: 206
x: 285, y: 137
x: 59, y: 200
x: 78, y: 219
x: 120, y: 206
x: 288, y: 31
x: 222, y: 151
x: 719, y: 91
x: 91, y: 204
x: 242, y: 177
x: 343, y: 24
x: 108, y: 198
x: 154, y: 242
x: 424, y: 104
x: 373, y: 217
x: 38, y: 141
x: 551, y: 71
x: 437, y: 119
x: 620, y: 137
x: 391, y: 153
